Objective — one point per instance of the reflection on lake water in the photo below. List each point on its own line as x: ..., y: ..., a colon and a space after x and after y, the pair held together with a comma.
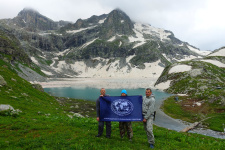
x: 92, y: 94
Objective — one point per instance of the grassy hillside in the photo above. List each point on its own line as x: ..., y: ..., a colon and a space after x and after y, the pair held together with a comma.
x: 44, y: 124
x: 186, y: 109
x: 204, y: 85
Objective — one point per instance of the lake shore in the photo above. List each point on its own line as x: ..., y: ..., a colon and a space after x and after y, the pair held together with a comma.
x: 111, y: 83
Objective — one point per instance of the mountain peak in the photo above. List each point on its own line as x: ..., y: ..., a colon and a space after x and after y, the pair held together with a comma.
x: 119, y: 12
x: 32, y: 20
x: 117, y: 22
x: 28, y: 10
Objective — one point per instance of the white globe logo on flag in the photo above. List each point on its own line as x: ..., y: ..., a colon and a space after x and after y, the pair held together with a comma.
x: 122, y: 107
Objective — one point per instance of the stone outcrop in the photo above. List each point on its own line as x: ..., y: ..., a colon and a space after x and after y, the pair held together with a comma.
x: 2, y: 81
x: 38, y: 87
x: 10, y: 109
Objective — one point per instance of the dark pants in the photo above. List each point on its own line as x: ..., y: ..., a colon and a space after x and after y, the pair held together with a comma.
x: 101, y: 127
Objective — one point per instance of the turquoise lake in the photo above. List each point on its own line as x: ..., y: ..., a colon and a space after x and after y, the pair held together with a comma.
x: 92, y: 94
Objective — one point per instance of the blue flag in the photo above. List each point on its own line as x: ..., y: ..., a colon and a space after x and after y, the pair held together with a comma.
x: 121, y: 108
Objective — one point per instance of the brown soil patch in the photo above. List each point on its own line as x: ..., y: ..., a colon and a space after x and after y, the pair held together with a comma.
x: 191, y: 105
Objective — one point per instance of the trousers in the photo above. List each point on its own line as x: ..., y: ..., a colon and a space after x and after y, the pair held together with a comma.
x: 101, y: 127
x: 126, y: 126
x: 148, y: 126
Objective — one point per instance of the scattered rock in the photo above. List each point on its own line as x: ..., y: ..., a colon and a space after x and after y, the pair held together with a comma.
x: 2, y: 81
x: 14, y: 97
x: 38, y: 87
x: 13, y: 79
x: 4, y: 107
x: 195, y: 72
x: 202, y: 88
x: 78, y: 115
x: 70, y: 116
x: 198, y: 104
x: 24, y: 94
x: 47, y: 114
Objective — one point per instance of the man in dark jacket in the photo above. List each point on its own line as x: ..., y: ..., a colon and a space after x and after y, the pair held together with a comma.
x: 101, y: 123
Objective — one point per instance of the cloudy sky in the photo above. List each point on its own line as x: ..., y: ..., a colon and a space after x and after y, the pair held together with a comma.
x: 201, y: 23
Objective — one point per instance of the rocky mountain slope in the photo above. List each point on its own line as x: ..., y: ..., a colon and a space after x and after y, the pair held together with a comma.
x: 12, y: 52
x: 109, y: 45
x: 31, y: 20
x: 10, y: 45
x: 202, y: 79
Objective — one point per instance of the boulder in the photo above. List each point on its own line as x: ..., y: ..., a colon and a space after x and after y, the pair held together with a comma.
x: 38, y: 87
x: 2, y: 81
x: 6, y: 107
x: 195, y: 72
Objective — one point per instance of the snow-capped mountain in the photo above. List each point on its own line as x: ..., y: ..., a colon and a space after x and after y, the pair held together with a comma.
x: 110, y: 45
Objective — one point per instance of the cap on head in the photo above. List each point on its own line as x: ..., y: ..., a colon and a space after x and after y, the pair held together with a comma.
x: 124, y: 91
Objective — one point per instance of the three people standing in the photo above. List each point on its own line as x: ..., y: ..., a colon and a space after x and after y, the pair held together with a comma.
x: 148, y: 106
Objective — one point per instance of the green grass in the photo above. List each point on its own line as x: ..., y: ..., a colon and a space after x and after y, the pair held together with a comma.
x: 44, y: 124
x: 217, y: 122
x: 61, y: 132
x: 173, y: 109
x: 184, y: 110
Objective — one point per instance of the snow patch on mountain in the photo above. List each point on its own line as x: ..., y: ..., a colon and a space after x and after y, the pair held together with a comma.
x: 81, y: 29
x: 53, y: 61
x: 186, y: 58
x: 47, y: 72
x: 179, y: 68
x: 198, y: 51
x: 221, y: 52
x: 34, y: 60
x: 120, y: 43
x: 148, y: 29
x: 88, y: 43
x: 141, y: 29
x: 112, y: 39
x: 163, y: 85
x: 110, y: 70
x: 214, y: 62
x: 63, y: 52
x: 61, y: 65
x: 139, y: 36
x: 102, y: 21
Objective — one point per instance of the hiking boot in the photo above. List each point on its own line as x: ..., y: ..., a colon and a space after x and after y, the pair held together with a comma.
x: 98, y: 135
x: 107, y: 136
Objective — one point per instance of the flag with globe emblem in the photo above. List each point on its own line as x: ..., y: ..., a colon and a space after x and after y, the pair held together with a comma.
x: 121, y: 108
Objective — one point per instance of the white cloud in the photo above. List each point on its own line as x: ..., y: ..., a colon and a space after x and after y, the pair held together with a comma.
x: 200, y: 23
